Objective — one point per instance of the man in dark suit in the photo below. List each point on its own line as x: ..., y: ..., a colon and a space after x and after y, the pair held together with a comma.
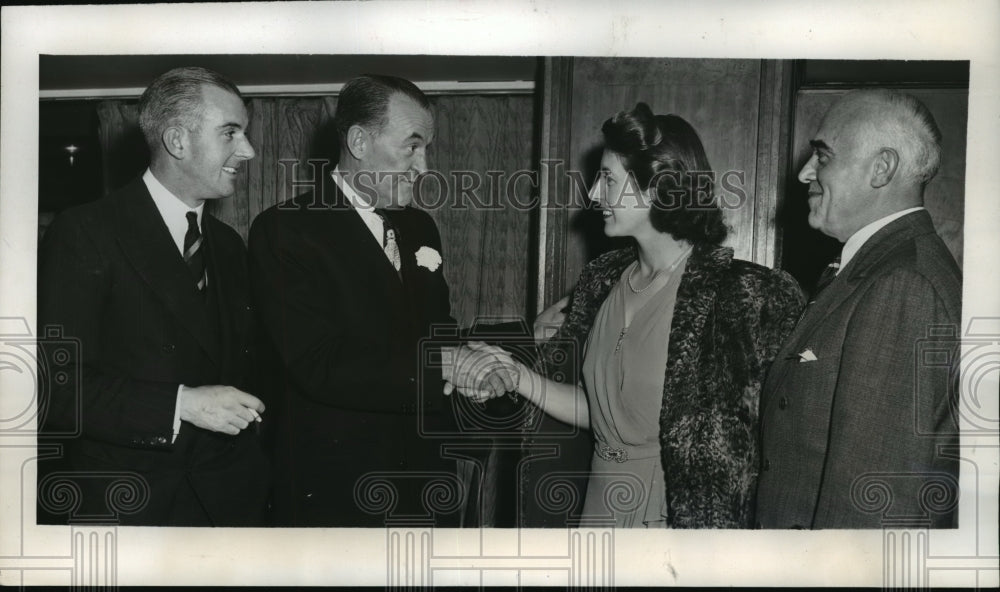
x: 856, y: 421
x: 157, y: 293
x: 348, y: 282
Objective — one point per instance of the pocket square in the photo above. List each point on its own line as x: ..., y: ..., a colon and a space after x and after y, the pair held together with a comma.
x: 807, y: 355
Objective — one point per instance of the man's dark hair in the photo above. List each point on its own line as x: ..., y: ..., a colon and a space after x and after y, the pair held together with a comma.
x: 364, y: 101
x: 175, y: 98
x: 663, y: 153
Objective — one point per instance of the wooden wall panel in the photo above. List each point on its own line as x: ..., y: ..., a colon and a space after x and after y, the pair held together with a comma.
x: 262, y: 177
x: 771, y: 184
x: 553, y: 215
x: 944, y: 196
x: 720, y: 98
x: 123, y: 149
x: 484, y: 231
x: 299, y: 125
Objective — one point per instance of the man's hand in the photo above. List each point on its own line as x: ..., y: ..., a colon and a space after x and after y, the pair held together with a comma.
x: 219, y: 408
x: 479, y: 371
x: 549, y: 321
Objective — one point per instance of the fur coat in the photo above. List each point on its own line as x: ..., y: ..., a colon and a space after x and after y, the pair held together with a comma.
x: 729, y: 321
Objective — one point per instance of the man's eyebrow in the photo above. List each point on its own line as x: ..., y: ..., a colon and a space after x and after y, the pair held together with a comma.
x: 231, y: 124
x: 820, y: 145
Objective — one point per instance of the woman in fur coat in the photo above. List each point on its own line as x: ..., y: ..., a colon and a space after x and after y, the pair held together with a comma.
x: 671, y: 338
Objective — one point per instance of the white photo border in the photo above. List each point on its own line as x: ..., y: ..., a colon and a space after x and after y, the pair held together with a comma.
x: 967, y: 30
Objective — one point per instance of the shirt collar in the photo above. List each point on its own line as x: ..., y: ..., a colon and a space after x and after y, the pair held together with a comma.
x: 367, y: 211
x: 166, y: 202
x: 859, y: 238
x: 171, y: 208
x: 352, y: 196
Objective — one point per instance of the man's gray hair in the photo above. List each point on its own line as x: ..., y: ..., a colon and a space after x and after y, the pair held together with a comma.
x: 175, y: 98
x: 902, y: 122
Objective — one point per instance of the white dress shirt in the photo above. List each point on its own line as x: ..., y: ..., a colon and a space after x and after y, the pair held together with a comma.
x: 859, y: 238
x: 174, y: 213
x: 367, y: 211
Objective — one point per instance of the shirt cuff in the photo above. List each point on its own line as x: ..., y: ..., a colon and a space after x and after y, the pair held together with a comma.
x: 177, y: 414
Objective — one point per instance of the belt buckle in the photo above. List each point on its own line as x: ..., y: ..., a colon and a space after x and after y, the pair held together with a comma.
x: 616, y: 454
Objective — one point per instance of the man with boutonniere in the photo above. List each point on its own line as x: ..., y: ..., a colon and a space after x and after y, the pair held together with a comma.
x: 857, y: 426
x: 348, y: 280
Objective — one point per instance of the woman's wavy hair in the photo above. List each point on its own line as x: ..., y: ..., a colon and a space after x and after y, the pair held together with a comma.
x: 663, y: 153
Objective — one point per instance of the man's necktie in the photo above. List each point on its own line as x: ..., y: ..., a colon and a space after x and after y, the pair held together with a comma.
x: 389, y: 241
x: 194, y: 255
x: 827, y: 276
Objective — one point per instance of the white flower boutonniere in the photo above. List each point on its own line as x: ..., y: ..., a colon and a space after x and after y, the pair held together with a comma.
x: 429, y: 258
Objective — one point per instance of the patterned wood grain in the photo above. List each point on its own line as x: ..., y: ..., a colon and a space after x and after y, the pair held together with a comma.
x: 297, y: 168
x: 772, y: 159
x: 554, y: 220
x: 720, y: 98
x: 480, y: 142
x: 123, y: 150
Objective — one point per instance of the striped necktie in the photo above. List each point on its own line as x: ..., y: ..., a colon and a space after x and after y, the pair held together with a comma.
x: 827, y: 276
x: 194, y: 255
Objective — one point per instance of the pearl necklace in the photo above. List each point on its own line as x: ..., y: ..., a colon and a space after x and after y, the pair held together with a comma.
x: 670, y: 269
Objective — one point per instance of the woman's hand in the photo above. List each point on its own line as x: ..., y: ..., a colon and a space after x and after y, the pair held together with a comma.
x: 480, y: 371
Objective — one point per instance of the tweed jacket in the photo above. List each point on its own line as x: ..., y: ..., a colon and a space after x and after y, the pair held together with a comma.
x: 864, y: 435
x: 730, y: 318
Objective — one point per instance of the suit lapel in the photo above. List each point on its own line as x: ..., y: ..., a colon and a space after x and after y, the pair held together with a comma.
x: 847, y: 282
x: 409, y: 282
x: 221, y: 283
x: 357, y: 233
x: 151, y: 251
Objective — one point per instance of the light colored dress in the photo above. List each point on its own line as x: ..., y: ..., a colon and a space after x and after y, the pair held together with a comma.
x: 623, y: 372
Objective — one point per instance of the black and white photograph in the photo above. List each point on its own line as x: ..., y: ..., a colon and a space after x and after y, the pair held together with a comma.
x: 560, y: 300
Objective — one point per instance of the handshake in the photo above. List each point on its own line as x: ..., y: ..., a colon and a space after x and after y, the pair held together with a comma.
x: 479, y: 371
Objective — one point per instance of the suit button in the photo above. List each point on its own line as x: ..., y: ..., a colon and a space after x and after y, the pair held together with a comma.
x: 161, y: 440
x: 783, y: 403
x: 248, y: 308
x: 168, y: 348
x: 246, y: 351
x: 767, y: 464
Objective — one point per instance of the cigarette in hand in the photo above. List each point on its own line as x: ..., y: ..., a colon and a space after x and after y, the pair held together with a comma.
x: 256, y: 416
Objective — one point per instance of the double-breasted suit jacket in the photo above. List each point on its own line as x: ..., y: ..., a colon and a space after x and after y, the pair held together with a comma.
x: 347, y: 331
x: 111, y: 277
x: 859, y: 436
